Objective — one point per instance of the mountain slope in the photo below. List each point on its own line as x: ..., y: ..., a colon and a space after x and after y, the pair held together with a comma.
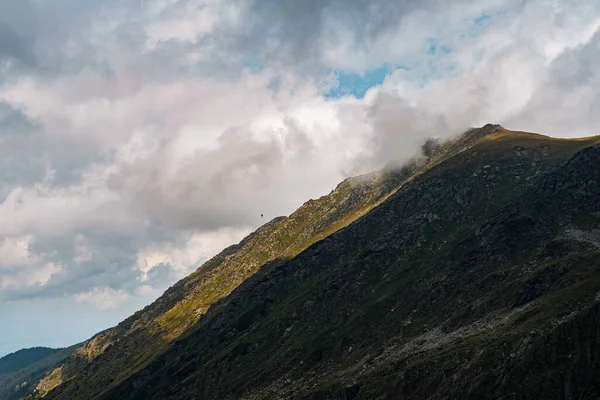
x: 141, y: 338
x: 20, y: 371
x: 478, y: 277
x: 23, y: 358
x: 474, y: 273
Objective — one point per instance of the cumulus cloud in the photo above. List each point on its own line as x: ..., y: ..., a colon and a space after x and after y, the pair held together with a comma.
x: 567, y: 100
x: 19, y: 267
x: 137, y: 140
x: 103, y: 299
x: 181, y: 257
x: 14, y: 251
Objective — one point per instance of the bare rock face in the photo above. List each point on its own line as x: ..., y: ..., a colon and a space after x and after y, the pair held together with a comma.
x: 471, y: 273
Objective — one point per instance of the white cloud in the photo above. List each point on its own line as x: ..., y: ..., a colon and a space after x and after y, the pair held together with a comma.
x: 139, y: 139
x: 189, y: 255
x: 14, y: 251
x: 50, y: 211
x: 191, y: 21
x: 145, y: 291
x: 42, y: 276
x: 103, y: 298
x: 37, y: 276
x: 82, y: 249
x: 19, y: 267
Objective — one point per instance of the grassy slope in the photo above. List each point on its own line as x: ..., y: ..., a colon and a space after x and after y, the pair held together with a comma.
x: 477, y: 276
x: 141, y: 338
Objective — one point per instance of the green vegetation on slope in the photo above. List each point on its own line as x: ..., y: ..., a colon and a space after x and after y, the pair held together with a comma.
x: 141, y: 338
x: 478, y: 278
x: 467, y: 276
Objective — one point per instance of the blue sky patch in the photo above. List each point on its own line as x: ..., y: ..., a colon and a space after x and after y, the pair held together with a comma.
x: 434, y: 47
x: 482, y: 18
x: 351, y: 83
x: 254, y: 65
x: 482, y: 21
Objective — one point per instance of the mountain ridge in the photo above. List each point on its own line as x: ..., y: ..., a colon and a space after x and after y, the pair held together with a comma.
x: 184, y: 302
x: 395, y: 236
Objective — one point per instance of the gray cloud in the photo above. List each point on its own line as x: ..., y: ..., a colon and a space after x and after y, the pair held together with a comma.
x: 13, y: 121
x: 17, y: 33
x: 567, y: 101
x: 133, y: 144
x: 230, y: 185
x: 400, y: 129
x: 17, y: 137
x: 305, y: 35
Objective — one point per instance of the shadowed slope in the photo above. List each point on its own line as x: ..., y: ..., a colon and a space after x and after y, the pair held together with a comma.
x: 139, y: 339
x: 20, y: 371
x: 479, y: 276
x: 428, y: 282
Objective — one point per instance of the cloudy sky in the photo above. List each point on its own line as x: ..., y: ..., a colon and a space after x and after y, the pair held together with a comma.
x: 140, y: 137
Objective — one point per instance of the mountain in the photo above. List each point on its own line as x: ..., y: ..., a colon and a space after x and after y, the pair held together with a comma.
x: 22, y: 358
x: 472, y: 273
x: 135, y: 342
x: 20, y: 371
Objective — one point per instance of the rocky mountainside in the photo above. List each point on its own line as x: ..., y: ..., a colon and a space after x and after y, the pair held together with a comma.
x: 471, y: 274
x: 135, y: 342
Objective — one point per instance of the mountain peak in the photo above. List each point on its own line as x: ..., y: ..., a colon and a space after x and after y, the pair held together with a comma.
x: 472, y: 268
x: 486, y: 130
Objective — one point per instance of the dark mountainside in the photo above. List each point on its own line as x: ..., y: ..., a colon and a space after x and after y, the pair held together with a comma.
x: 20, y: 371
x: 474, y: 274
x: 22, y: 358
x: 135, y: 342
